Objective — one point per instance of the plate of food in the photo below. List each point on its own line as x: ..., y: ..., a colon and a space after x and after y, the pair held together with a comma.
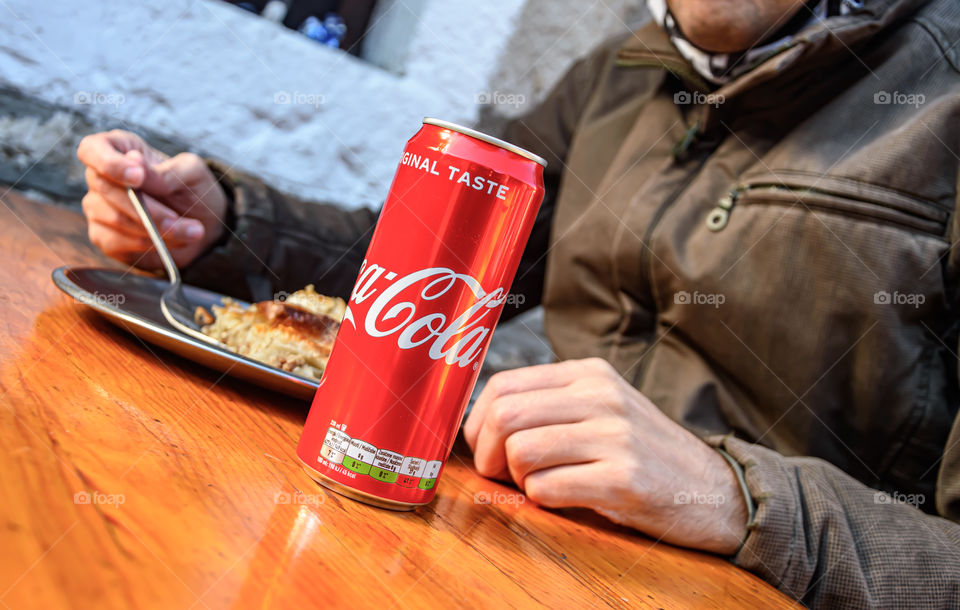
x: 282, y: 345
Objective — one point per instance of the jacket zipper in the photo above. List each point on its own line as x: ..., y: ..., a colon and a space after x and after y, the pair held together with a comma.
x: 646, y: 255
x: 719, y: 216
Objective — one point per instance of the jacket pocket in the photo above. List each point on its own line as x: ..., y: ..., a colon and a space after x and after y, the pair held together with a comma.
x: 833, y: 195
x: 856, y: 307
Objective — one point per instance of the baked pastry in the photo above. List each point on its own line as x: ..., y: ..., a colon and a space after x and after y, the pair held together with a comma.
x: 294, y: 333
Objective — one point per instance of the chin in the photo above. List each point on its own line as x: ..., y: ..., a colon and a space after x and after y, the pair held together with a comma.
x: 720, y: 40
x: 727, y: 26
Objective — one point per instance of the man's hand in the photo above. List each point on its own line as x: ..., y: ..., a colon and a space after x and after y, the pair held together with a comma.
x: 181, y: 194
x: 576, y: 434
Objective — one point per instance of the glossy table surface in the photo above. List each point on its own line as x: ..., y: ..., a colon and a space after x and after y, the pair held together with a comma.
x: 131, y: 477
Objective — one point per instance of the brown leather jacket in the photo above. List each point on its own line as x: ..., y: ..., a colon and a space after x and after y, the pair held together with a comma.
x: 772, y: 264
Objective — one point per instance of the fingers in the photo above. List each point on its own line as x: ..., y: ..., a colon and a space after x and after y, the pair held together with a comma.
x: 512, y: 413
x: 109, y: 205
x: 536, y: 449
x: 126, y: 160
x: 98, y: 210
x: 106, y: 154
x: 117, y: 244
x: 186, y: 166
x: 585, y: 485
x: 124, y: 239
x: 526, y: 379
x: 161, y: 179
x: 187, y: 184
x: 115, y: 196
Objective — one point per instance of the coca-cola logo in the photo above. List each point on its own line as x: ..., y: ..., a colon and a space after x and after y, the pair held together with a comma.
x: 396, y: 310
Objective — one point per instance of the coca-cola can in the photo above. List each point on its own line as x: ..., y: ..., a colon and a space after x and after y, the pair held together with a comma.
x: 430, y: 290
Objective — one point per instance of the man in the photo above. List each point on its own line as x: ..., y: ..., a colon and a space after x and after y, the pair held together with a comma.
x: 746, y: 259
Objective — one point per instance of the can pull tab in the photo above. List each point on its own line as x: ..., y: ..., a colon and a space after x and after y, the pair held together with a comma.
x: 719, y: 216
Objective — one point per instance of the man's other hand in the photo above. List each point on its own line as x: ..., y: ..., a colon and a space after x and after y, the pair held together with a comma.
x: 181, y: 193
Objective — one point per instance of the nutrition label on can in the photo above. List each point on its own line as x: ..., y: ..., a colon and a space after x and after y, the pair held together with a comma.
x: 363, y: 458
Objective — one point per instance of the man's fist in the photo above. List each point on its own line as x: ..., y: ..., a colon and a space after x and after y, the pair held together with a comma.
x: 575, y: 433
x: 181, y: 194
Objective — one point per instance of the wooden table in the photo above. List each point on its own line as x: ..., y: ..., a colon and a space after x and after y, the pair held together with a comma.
x: 134, y: 478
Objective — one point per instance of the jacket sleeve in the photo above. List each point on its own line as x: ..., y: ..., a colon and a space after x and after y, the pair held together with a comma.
x: 826, y: 539
x: 276, y: 242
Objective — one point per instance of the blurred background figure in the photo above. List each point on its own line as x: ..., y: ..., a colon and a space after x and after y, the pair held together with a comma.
x: 327, y: 21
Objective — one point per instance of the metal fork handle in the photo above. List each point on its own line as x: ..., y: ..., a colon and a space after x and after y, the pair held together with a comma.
x: 172, y: 272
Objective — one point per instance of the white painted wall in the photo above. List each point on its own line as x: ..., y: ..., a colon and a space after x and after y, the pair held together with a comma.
x: 550, y: 35
x: 310, y: 120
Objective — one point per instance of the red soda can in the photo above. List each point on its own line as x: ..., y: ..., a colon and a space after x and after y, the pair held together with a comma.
x: 431, y: 288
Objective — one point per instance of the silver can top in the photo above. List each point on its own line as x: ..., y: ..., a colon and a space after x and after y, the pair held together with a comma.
x: 473, y: 133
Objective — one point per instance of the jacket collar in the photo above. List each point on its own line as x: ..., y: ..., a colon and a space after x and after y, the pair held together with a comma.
x: 651, y: 47
x: 803, y: 57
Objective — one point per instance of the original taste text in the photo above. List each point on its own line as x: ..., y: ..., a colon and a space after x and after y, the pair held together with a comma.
x: 455, y: 174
